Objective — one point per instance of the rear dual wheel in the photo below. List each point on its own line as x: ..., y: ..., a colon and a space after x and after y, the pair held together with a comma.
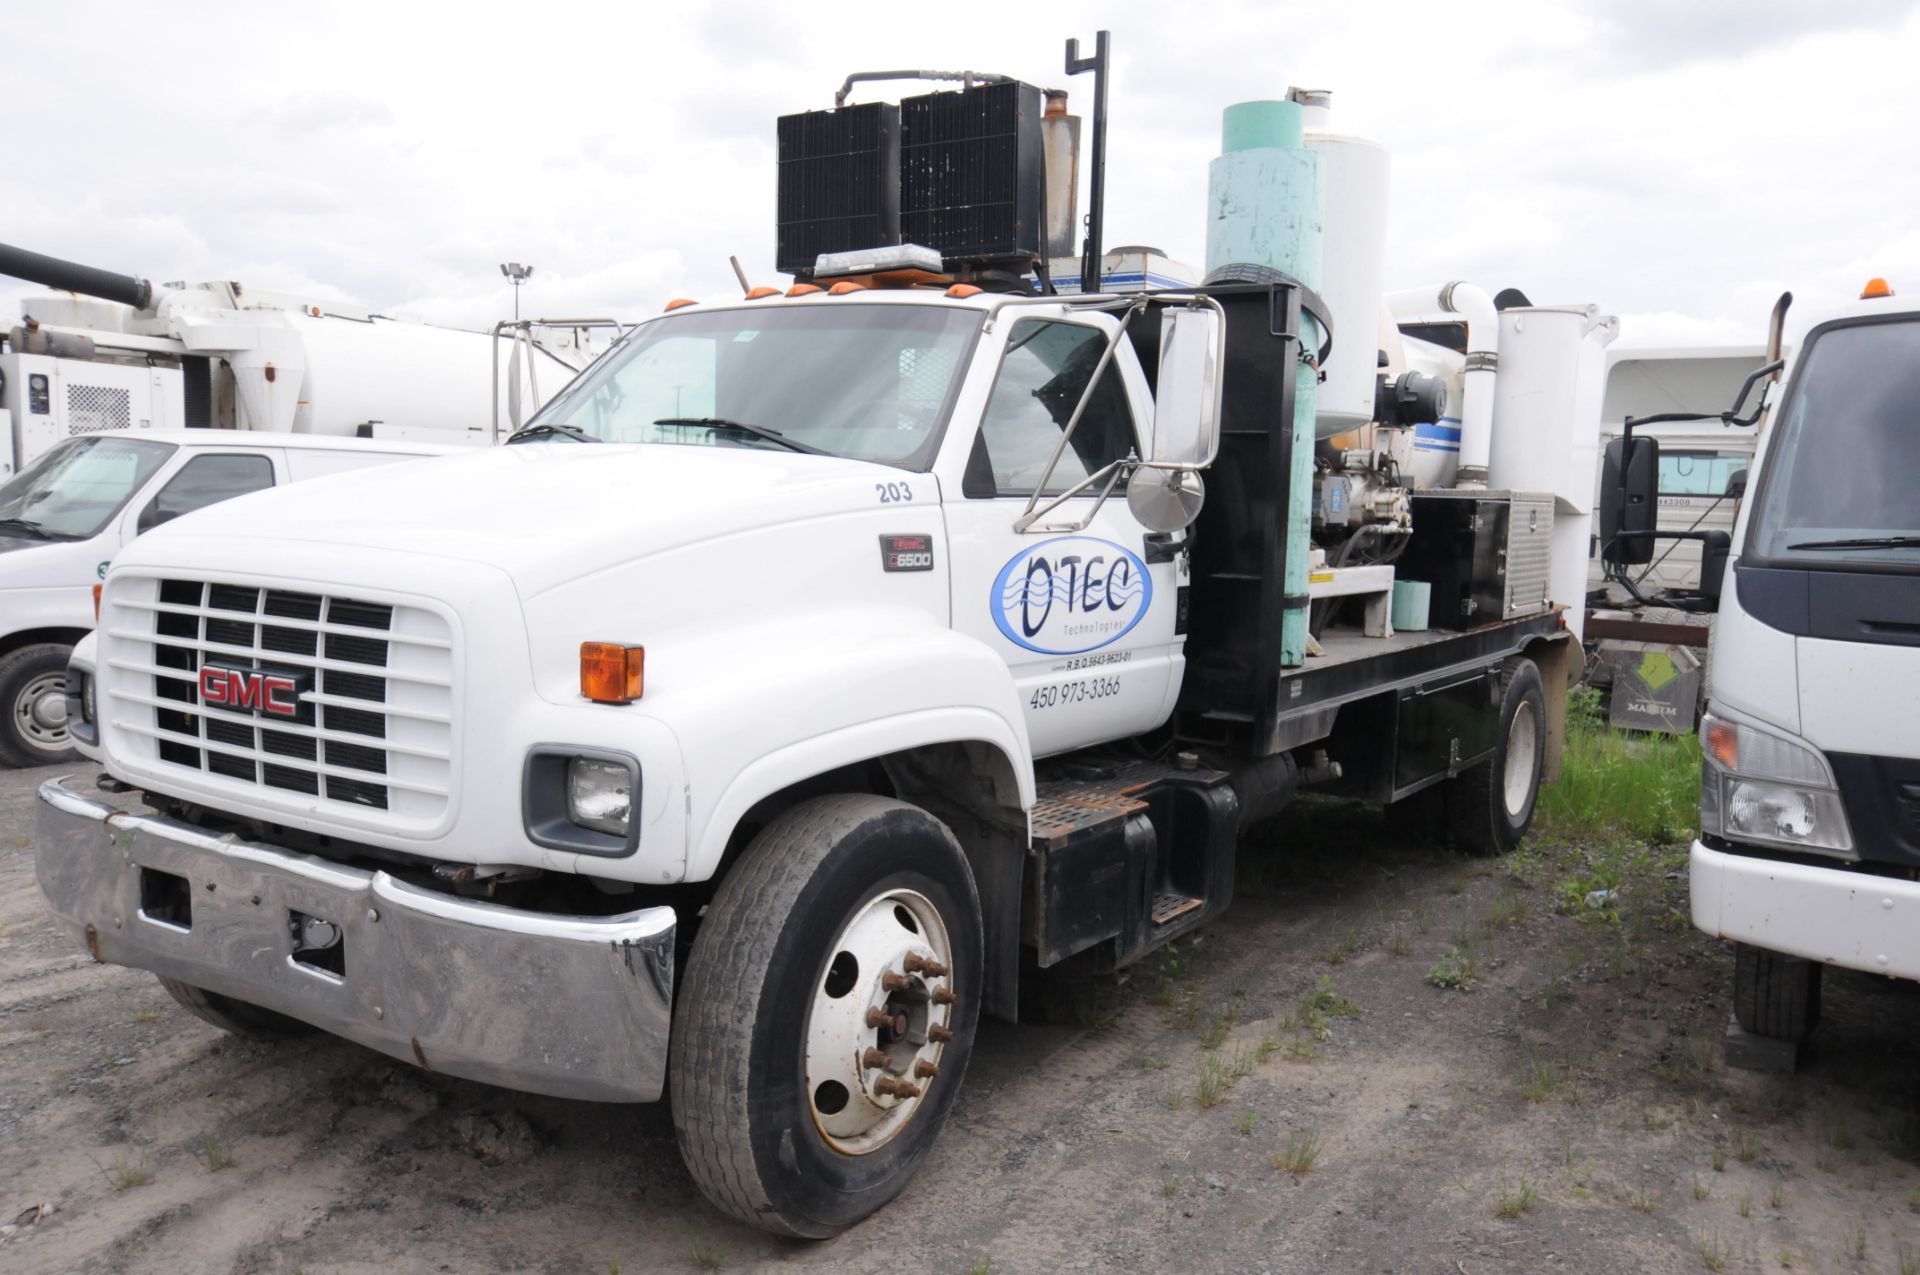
x: 827, y: 1014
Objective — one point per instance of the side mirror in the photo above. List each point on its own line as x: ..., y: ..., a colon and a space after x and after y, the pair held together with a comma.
x: 1629, y: 501
x: 1714, y: 547
x: 1186, y: 410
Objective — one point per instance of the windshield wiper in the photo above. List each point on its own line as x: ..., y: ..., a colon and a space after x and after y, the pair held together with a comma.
x: 544, y: 430
x: 32, y: 529
x: 1862, y: 542
x: 741, y: 427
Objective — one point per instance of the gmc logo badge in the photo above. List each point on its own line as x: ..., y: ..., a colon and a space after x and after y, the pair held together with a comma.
x: 251, y: 690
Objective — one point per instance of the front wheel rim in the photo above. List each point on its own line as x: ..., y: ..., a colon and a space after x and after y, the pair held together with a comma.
x: 1523, y: 735
x: 40, y: 713
x: 880, y: 1018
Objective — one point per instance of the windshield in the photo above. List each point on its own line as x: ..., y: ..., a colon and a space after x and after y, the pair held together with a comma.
x: 78, y: 486
x: 1842, y: 468
x: 872, y: 382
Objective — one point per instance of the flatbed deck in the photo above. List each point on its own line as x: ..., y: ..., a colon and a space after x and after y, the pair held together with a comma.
x: 1353, y: 665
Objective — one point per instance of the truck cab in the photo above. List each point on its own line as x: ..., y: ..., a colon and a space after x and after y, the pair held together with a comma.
x: 1810, y: 793
x: 64, y: 518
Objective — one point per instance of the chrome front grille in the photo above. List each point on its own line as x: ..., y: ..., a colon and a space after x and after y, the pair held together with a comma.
x: 344, y: 700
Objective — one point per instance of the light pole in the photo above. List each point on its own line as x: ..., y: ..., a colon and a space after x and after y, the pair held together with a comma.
x: 518, y: 275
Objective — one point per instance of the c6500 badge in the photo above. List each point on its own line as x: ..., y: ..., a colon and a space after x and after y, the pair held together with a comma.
x: 906, y: 553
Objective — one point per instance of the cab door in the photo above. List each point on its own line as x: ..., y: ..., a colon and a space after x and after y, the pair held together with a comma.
x: 1086, y: 617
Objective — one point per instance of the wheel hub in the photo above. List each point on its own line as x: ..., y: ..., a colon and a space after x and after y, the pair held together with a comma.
x: 40, y: 712
x: 880, y: 1019
x: 1522, y: 740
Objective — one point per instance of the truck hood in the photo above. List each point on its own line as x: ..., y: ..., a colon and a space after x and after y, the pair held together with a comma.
x: 545, y: 513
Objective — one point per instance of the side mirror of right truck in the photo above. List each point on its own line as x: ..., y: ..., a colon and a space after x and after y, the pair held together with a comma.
x: 1629, y: 501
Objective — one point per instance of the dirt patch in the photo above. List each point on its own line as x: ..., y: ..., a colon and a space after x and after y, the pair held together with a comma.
x: 1382, y: 1059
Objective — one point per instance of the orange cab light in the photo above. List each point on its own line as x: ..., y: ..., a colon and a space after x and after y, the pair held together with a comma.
x: 754, y: 294
x: 611, y: 673
x: 1876, y: 287
x: 963, y: 290
x: 96, y: 604
x: 845, y: 286
x: 677, y: 302
x: 802, y: 289
x: 1723, y: 744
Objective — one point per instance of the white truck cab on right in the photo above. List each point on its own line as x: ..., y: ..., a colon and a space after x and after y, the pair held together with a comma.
x: 1809, y: 853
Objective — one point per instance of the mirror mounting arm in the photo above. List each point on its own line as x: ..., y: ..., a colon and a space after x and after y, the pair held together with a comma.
x: 1028, y: 516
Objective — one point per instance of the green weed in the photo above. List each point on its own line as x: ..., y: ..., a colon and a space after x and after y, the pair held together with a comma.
x: 1518, y: 1202
x: 1620, y: 787
x: 1298, y: 1156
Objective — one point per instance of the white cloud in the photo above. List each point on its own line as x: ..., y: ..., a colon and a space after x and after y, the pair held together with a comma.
x: 1676, y: 164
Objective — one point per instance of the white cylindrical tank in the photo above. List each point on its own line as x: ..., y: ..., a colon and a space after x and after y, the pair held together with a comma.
x: 1353, y: 221
x: 1546, y: 428
x: 408, y: 377
x: 1546, y: 403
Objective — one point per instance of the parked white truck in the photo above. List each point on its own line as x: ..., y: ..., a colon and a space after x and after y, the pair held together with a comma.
x: 64, y: 518
x: 825, y: 660
x: 1810, y: 792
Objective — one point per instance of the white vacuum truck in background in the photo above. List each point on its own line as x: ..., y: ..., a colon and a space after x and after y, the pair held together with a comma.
x: 111, y: 352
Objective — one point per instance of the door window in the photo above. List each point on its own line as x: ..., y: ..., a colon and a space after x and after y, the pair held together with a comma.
x: 1045, y: 370
x: 203, y: 481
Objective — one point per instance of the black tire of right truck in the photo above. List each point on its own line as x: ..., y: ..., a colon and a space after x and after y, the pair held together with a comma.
x: 1775, y: 995
x: 235, y: 1017
x: 1484, y: 816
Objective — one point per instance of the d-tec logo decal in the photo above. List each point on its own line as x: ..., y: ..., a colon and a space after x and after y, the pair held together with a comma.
x: 1071, y: 594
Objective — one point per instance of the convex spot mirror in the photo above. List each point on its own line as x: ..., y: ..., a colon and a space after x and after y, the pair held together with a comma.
x: 1629, y: 501
x: 1186, y: 410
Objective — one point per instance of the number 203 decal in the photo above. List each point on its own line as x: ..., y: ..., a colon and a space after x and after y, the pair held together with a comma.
x: 1069, y: 595
x: 894, y: 493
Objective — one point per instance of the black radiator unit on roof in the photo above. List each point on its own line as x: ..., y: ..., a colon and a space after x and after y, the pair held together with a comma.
x: 839, y: 186
x: 973, y: 173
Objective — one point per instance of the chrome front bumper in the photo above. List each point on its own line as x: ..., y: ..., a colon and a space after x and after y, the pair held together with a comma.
x: 573, y: 1006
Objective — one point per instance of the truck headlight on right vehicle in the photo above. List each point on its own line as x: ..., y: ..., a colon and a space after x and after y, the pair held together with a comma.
x: 1763, y: 786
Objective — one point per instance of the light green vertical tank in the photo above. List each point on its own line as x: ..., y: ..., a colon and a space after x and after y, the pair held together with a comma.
x: 1263, y: 209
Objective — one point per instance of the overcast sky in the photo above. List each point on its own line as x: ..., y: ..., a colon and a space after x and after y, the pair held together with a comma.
x: 1679, y: 162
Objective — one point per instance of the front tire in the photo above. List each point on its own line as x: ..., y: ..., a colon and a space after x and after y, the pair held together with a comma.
x: 235, y: 1017
x: 1775, y: 995
x: 827, y: 1014
x: 33, y: 706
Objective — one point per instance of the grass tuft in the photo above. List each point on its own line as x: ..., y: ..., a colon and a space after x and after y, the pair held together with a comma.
x: 1298, y: 1155
x: 121, y: 1173
x: 1518, y: 1202
x: 212, y: 1152
x: 703, y: 1254
x: 1713, y: 1251
x: 1458, y: 970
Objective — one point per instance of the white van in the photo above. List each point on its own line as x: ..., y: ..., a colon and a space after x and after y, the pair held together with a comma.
x: 64, y: 517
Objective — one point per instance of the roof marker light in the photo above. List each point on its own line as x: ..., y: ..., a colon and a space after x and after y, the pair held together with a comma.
x: 1876, y: 288
x: 845, y: 286
x: 803, y: 289
x: 963, y: 290
x: 754, y: 294
x: 677, y: 302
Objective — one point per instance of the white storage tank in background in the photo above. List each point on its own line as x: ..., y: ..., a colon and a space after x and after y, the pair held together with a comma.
x: 1436, y: 445
x: 1546, y: 426
x: 1353, y: 238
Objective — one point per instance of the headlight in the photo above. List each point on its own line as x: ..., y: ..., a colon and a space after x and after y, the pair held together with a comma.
x: 87, y: 712
x: 600, y: 795
x: 1764, y: 786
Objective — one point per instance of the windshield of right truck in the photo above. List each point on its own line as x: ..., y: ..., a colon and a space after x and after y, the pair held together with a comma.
x: 76, y: 488
x: 867, y: 381
x: 1843, y: 483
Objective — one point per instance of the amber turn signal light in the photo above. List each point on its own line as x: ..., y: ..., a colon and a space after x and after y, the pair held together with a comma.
x: 611, y: 673
x: 96, y: 604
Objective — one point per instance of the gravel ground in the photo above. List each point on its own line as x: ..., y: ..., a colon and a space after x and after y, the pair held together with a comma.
x: 1575, y: 1087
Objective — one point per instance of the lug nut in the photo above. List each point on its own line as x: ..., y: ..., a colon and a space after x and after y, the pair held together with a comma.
x: 896, y: 1088
x: 894, y: 982
x: 943, y: 996
x: 875, y: 1058
x: 879, y: 1018
x: 925, y: 1070
x: 918, y: 964
x: 939, y: 1035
